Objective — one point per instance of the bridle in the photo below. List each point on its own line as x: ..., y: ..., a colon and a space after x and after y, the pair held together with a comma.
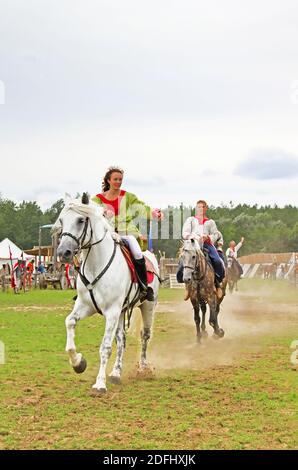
x: 83, y: 246
x: 81, y: 239
x: 195, y: 270
x: 195, y: 266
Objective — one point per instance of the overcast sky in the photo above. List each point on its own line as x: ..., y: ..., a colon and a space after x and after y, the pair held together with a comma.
x: 193, y: 99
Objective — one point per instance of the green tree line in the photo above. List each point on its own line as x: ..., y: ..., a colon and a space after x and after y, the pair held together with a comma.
x: 265, y: 228
x: 20, y: 222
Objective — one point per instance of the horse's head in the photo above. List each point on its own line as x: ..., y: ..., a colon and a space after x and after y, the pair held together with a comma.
x: 189, y: 252
x: 75, y: 226
x: 230, y: 262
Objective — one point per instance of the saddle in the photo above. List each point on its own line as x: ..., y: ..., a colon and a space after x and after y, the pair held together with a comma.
x: 129, y: 259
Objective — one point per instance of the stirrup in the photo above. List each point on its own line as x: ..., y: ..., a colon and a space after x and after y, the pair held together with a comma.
x: 143, y: 295
x: 150, y: 294
x: 147, y: 294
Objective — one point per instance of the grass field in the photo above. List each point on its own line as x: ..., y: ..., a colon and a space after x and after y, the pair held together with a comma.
x: 236, y: 393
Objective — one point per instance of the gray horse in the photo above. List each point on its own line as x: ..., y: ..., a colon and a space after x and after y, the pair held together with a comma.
x: 198, y: 275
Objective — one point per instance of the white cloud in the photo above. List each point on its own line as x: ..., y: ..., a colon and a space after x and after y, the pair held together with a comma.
x: 268, y: 165
x: 176, y: 93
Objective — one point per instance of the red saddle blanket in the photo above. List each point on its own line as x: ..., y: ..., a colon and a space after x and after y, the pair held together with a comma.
x: 150, y: 268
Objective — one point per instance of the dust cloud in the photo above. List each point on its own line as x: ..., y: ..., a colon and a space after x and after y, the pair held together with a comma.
x: 247, y: 318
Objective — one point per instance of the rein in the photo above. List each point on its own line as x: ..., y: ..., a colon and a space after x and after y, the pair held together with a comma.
x: 196, y: 270
x: 128, y: 304
x: 80, y: 242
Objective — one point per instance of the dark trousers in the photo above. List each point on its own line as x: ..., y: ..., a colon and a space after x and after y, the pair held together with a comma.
x: 215, y: 261
x: 221, y: 254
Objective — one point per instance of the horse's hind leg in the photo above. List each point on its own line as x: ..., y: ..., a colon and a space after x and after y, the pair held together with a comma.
x: 115, y: 375
x: 77, y: 360
x: 147, y: 309
x: 214, y: 310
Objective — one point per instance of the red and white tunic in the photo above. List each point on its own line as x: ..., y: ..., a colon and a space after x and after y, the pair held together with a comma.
x: 232, y: 252
x: 194, y: 228
x: 113, y: 205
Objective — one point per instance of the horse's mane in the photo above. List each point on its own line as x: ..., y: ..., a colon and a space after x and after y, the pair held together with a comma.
x: 180, y: 249
x: 86, y: 210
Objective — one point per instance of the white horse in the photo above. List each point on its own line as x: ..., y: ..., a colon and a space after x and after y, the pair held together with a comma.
x: 103, y: 285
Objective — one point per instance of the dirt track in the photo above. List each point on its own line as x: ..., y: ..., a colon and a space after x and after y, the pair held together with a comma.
x: 246, y: 319
x: 238, y: 392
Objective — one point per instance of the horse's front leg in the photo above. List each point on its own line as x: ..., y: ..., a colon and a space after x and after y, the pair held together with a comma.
x: 214, y: 310
x: 105, y: 350
x: 204, y: 309
x: 115, y: 376
x: 77, y: 360
x: 197, y: 318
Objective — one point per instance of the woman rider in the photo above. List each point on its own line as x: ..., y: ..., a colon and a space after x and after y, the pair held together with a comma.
x: 124, y: 209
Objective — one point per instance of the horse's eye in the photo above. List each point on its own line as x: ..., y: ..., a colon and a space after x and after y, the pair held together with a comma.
x: 193, y: 257
x: 81, y: 221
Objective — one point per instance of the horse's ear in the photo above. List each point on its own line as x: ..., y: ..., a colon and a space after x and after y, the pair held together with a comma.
x: 67, y: 198
x: 85, y: 198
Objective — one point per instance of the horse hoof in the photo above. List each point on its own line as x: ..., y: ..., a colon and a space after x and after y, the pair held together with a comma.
x: 81, y: 367
x: 218, y: 334
x: 145, y: 370
x: 114, y: 379
x: 98, y: 392
x: 204, y: 334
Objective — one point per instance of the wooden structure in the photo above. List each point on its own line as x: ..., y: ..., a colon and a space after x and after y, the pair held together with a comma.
x: 286, y: 265
x: 265, y: 258
x: 45, y: 251
x: 168, y: 268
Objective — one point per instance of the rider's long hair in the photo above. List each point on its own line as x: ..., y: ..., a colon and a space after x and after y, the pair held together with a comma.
x: 105, y: 183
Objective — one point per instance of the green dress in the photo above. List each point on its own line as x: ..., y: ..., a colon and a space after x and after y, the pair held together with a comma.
x: 129, y: 214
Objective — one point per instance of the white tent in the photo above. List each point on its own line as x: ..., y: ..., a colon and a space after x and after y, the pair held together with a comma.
x: 16, y: 252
